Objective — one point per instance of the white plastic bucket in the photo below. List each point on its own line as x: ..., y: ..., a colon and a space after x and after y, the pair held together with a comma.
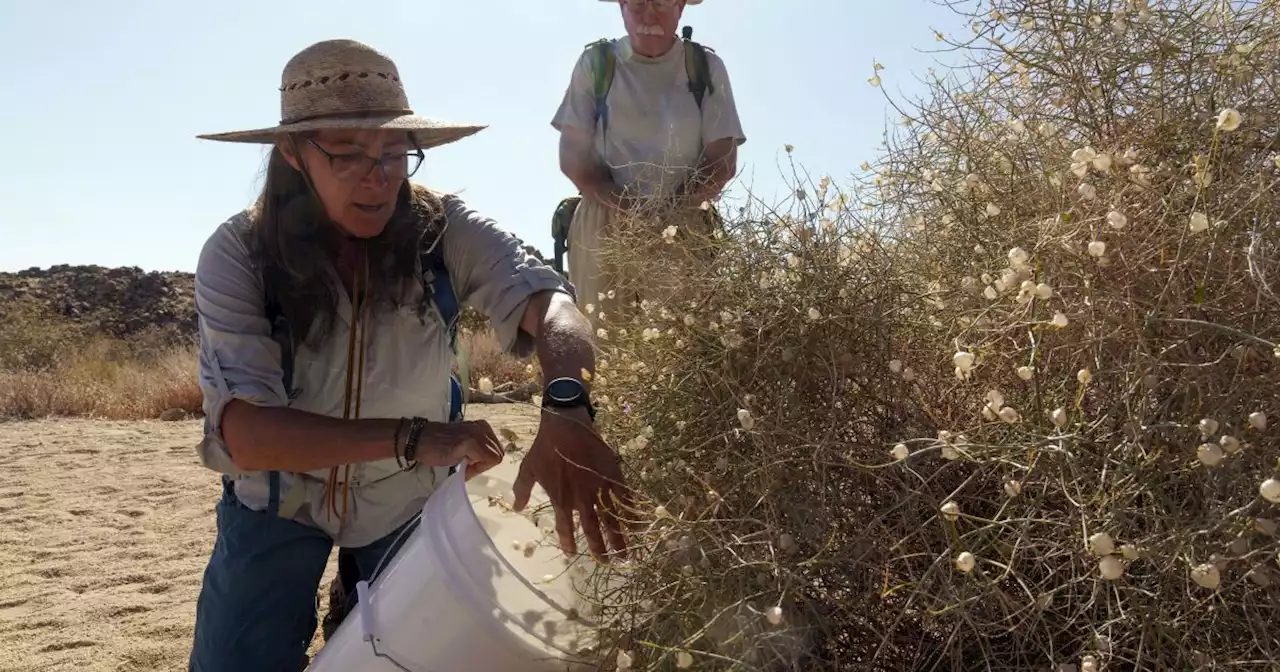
x: 457, y: 599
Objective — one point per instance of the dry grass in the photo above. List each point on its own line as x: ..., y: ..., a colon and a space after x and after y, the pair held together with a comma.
x: 88, y: 383
x: 51, y: 367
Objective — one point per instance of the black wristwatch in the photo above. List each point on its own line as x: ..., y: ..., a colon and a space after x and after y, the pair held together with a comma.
x: 567, y: 393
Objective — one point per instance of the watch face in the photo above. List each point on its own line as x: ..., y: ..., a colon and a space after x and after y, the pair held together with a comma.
x: 564, y: 390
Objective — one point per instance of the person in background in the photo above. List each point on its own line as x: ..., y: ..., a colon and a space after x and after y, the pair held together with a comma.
x: 646, y: 115
x: 326, y: 319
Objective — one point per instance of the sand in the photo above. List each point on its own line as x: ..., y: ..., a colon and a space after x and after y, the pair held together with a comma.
x: 105, y: 530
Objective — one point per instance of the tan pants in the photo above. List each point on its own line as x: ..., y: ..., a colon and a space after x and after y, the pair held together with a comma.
x: 639, y: 266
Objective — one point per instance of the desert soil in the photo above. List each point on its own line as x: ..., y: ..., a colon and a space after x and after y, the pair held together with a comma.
x: 105, y: 529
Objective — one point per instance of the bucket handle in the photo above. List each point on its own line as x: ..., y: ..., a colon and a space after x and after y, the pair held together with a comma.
x: 368, y: 627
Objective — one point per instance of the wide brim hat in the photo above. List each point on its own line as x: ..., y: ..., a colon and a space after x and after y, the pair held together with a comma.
x: 341, y: 84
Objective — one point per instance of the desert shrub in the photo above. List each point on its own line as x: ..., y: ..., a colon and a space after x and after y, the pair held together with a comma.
x: 1001, y: 404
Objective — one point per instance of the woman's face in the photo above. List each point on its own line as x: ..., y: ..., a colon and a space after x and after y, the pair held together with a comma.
x: 358, y: 194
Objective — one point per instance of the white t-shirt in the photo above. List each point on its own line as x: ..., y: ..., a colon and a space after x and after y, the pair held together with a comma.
x: 655, y: 134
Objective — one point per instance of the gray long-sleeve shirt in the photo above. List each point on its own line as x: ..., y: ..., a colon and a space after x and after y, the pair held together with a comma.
x: 407, y: 364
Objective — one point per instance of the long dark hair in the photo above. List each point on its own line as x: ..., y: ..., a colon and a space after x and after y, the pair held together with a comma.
x: 290, y: 237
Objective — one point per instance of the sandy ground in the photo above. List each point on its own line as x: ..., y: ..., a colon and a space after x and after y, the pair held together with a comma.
x: 105, y: 529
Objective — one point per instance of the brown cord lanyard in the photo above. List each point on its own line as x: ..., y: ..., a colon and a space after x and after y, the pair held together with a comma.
x: 359, y: 322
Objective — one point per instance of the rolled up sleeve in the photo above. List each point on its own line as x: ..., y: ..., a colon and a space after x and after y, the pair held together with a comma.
x: 238, y: 357
x: 577, y: 107
x: 494, y: 274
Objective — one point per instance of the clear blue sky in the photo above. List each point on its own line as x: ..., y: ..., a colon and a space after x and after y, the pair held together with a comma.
x: 102, y: 102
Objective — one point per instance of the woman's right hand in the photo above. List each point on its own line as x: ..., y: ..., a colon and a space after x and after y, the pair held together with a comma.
x: 445, y: 444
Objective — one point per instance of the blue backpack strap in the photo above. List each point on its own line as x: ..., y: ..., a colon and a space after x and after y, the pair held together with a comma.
x: 281, y: 334
x: 602, y: 79
x: 436, y: 280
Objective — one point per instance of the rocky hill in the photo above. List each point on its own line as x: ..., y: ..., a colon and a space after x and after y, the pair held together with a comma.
x: 122, y: 302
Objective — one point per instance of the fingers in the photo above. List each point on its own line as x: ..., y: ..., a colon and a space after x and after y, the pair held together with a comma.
x: 563, y: 506
x: 613, y: 523
x: 590, y: 523
x: 485, y: 451
x: 524, y: 483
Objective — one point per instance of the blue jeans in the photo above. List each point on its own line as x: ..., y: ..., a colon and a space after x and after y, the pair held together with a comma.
x: 257, y: 607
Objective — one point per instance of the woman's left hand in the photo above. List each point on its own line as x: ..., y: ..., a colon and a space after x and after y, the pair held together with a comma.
x: 579, y: 472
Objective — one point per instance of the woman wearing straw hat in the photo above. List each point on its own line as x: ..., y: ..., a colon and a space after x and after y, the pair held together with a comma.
x: 325, y: 355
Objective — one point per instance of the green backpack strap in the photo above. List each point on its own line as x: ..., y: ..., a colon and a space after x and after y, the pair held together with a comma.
x: 695, y: 66
x: 602, y: 52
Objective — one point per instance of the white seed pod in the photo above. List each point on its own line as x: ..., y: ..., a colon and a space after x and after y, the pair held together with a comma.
x: 1208, y: 427
x: 1265, y: 526
x: 624, y: 660
x: 1026, y: 372
x: 1130, y: 552
x: 1210, y: 454
x: 1059, y: 417
x: 1101, y: 543
x: 1117, y: 220
x: 1008, y: 414
x: 773, y: 615
x: 1199, y: 222
x: 1230, y: 444
x: 1018, y: 257
x: 745, y: 419
x: 1206, y: 575
x: 1012, y: 487
x: 1044, y: 291
x: 950, y: 511
x: 900, y: 451
x: 1110, y: 567
x: 963, y: 361
x: 995, y: 398
x: 684, y: 660
x: 1060, y: 320
x: 965, y: 562
x: 1258, y: 420
x: 1089, y: 664
x: 1270, y: 490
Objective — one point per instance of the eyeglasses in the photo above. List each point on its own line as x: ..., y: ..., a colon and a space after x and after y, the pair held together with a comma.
x: 660, y: 5
x: 355, y: 166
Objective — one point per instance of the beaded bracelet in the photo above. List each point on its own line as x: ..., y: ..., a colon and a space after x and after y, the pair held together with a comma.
x: 395, y: 446
x: 416, y: 426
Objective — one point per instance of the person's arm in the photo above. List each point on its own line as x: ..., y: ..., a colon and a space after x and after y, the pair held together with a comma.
x: 562, y: 337
x: 579, y: 163
x: 718, y: 165
x: 249, y: 426
x: 575, y: 119
x: 722, y: 134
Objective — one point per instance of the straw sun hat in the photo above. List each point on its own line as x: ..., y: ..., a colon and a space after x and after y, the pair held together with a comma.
x: 346, y: 84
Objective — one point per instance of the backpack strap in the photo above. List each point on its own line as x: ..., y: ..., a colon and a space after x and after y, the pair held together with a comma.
x: 602, y: 80
x: 435, y: 278
x: 695, y: 66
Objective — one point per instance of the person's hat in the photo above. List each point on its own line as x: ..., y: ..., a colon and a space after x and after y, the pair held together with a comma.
x: 345, y: 84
